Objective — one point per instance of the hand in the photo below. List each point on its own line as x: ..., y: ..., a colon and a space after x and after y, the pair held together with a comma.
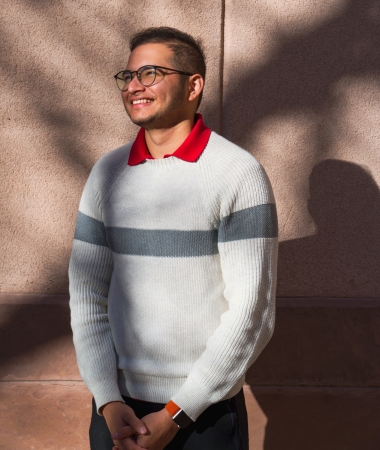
x: 161, y: 430
x: 120, y: 416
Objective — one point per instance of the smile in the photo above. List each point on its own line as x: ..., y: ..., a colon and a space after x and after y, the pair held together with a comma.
x: 143, y: 100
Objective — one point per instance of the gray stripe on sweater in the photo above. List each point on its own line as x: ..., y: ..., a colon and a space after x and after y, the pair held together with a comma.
x: 256, y: 222
x: 90, y: 230
x: 169, y: 243
x: 133, y: 241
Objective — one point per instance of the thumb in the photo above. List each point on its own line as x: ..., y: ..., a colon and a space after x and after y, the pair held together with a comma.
x: 123, y: 433
x: 135, y: 425
x: 138, y: 425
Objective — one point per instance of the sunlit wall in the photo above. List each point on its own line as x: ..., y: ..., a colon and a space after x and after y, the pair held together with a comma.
x: 296, y: 83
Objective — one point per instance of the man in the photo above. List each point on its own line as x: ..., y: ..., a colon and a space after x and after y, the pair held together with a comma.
x: 173, y: 267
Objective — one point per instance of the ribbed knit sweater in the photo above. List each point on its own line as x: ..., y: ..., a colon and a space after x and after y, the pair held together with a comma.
x: 172, y: 276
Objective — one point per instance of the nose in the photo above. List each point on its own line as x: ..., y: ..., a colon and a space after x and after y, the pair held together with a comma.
x: 135, y: 85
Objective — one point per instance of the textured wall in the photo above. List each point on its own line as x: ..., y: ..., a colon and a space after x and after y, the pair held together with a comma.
x: 302, y: 93
x: 61, y: 110
x: 300, y: 86
x: 297, y: 83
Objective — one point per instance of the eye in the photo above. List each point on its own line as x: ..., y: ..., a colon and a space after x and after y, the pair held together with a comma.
x: 126, y: 76
x: 148, y: 72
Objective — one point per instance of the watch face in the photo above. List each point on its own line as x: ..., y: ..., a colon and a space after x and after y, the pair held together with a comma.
x: 182, y: 419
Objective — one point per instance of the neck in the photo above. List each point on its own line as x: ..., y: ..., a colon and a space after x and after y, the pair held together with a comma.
x: 163, y: 142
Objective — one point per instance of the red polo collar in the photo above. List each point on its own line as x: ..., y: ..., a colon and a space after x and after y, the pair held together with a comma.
x: 190, y: 150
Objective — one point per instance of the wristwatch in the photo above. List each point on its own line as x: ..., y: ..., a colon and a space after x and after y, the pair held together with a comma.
x: 180, y: 418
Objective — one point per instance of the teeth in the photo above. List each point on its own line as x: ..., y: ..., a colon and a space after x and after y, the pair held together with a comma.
x: 143, y: 100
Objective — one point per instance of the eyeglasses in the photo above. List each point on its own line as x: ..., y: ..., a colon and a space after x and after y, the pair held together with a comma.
x: 147, y: 75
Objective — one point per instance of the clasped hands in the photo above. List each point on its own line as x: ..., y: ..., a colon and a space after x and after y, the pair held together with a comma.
x: 152, y: 432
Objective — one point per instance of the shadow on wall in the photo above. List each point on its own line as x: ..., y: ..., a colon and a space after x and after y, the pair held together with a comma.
x: 313, y: 349
x: 303, y: 70
x: 342, y: 257
x: 301, y: 78
x: 344, y: 200
x: 35, y: 342
x: 311, y: 419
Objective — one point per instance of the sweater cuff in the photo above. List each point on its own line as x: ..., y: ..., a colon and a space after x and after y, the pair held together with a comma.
x: 104, y: 392
x: 192, y: 398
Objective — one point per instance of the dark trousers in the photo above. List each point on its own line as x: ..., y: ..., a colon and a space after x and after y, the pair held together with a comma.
x: 222, y: 426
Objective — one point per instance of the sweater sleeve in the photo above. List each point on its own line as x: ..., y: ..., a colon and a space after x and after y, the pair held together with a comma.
x: 90, y: 272
x: 247, y: 242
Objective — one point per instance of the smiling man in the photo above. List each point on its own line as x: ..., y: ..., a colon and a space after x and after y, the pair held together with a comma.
x: 173, y: 267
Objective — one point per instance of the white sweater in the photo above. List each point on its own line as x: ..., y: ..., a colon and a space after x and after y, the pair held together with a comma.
x: 172, y: 276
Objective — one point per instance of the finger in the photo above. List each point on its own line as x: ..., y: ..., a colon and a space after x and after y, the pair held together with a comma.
x: 119, y: 446
x: 129, y: 445
x: 137, y: 424
x: 123, y: 433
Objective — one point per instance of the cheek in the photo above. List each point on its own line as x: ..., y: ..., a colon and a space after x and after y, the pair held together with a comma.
x: 124, y: 99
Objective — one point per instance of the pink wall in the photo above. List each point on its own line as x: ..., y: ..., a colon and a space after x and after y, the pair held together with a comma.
x: 295, y: 83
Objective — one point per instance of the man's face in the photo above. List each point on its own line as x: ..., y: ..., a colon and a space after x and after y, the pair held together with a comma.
x: 162, y: 105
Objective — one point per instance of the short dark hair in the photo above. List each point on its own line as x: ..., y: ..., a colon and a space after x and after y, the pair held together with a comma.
x: 188, y: 53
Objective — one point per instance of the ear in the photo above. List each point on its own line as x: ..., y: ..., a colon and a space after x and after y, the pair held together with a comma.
x: 196, y: 83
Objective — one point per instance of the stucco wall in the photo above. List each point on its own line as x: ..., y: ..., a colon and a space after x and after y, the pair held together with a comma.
x: 302, y: 93
x: 297, y: 83
x: 61, y: 111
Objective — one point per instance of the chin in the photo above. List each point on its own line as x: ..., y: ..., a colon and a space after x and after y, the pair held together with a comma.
x: 140, y: 119
x: 154, y: 122
x: 143, y: 121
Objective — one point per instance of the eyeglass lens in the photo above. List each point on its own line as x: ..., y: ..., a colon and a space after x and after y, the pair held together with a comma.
x: 147, y: 75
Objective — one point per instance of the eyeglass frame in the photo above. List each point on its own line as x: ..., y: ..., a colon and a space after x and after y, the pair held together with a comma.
x: 138, y: 71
